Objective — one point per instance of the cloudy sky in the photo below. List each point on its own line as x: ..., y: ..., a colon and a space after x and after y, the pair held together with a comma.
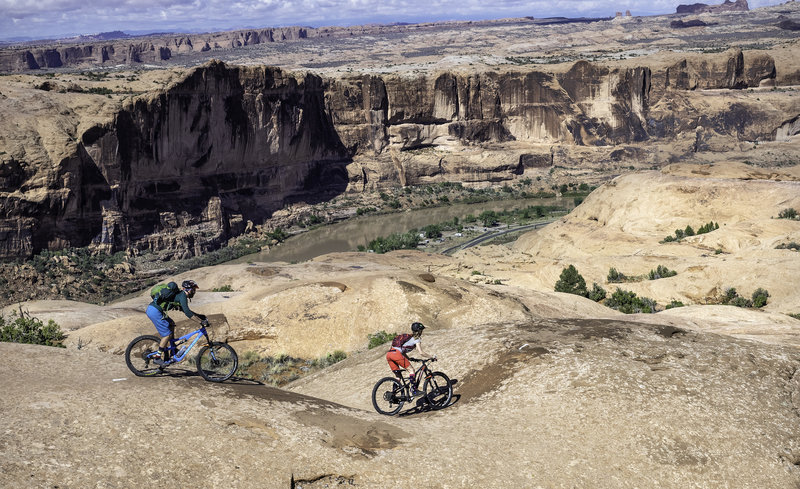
x: 59, y: 18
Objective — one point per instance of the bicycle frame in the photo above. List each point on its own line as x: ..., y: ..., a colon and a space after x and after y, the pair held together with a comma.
x: 422, y: 369
x: 177, y: 355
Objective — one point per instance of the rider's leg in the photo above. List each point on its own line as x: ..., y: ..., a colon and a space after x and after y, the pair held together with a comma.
x: 399, y: 362
x: 165, y: 327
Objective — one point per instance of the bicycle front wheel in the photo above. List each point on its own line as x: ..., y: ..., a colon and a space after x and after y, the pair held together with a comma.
x: 217, y: 362
x: 141, y: 355
x: 438, y: 390
x: 387, y: 396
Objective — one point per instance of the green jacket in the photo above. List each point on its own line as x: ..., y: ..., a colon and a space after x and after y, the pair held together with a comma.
x: 179, y: 302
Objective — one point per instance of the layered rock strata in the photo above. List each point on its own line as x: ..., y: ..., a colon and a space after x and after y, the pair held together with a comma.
x: 227, y: 145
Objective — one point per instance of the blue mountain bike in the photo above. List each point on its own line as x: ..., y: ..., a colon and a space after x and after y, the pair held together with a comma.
x: 216, y: 361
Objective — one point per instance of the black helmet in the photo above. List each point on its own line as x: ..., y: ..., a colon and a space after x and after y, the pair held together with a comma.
x: 189, y: 284
x: 417, y: 327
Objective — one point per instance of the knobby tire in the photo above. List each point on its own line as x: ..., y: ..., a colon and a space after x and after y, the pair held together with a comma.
x: 438, y: 390
x: 138, y: 356
x: 387, y: 396
x: 217, y: 362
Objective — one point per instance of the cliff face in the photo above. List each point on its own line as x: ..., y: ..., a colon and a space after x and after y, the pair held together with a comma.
x: 186, y: 167
x: 138, y: 50
x: 726, y: 6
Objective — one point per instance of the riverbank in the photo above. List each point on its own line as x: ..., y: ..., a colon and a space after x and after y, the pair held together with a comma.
x: 297, y: 233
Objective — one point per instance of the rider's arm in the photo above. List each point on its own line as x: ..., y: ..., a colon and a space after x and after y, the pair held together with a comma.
x: 184, y: 303
x: 422, y: 352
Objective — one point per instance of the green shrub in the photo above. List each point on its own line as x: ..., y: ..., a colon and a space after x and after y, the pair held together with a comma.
x: 794, y: 315
x: 661, y: 272
x: 708, y: 227
x: 740, y: 301
x: 395, y: 241
x: 571, y: 282
x: 732, y: 298
x: 729, y: 295
x: 224, y: 288
x: 628, y: 302
x: 789, y: 213
x: 379, y: 338
x: 24, y: 328
x: 674, y: 304
x: 760, y: 297
x: 331, y: 358
x: 597, y: 293
x: 614, y: 276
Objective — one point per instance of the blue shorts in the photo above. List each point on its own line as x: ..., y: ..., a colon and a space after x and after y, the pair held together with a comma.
x: 164, y: 325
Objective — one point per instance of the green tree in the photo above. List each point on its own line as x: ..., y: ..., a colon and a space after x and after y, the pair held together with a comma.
x: 488, y: 218
x: 571, y: 282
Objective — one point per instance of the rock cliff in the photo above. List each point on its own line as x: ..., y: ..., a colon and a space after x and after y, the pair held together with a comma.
x: 185, y: 167
x: 726, y: 6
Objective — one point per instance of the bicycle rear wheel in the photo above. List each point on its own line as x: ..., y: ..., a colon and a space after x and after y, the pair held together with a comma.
x: 438, y: 390
x: 217, y: 362
x: 387, y: 396
x: 140, y: 355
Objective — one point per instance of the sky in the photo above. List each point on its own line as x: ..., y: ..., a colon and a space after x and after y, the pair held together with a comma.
x: 42, y: 19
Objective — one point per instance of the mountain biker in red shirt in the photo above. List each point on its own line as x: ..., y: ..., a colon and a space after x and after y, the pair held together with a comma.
x: 164, y: 324
x: 398, y: 358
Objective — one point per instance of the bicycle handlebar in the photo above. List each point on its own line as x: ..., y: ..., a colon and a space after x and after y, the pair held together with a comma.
x: 422, y: 360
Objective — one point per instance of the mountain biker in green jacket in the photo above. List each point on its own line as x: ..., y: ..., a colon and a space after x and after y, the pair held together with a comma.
x: 157, y: 312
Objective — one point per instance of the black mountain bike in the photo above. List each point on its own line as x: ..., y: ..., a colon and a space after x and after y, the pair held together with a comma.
x: 390, y: 393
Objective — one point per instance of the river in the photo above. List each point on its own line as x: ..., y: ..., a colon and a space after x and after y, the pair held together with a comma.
x: 347, y: 235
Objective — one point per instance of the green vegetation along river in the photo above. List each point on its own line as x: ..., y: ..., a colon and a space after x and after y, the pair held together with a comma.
x: 348, y: 235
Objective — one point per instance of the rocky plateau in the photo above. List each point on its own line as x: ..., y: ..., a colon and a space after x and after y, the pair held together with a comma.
x: 551, y: 390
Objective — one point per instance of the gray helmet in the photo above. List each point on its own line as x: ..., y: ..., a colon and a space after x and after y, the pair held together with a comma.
x: 417, y: 327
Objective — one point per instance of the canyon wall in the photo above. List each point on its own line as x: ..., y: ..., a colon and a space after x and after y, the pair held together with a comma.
x: 186, y: 167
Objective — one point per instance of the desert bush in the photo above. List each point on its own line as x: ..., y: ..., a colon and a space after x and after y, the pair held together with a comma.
x: 628, y: 302
x: 379, y: 338
x: 661, y: 272
x: 224, y: 288
x: 571, y: 282
x: 729, y: 294
x: 23, y: 328
x: 689, y: 231
x: 789, y: 213
x: 673, y: 304
x: 740, y: 301
x: 788, y: 246
x: 794, y: 315
x: 760, y: 297
x: 614, y: 276
x: 597, y: 293
x: 331, y: 358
